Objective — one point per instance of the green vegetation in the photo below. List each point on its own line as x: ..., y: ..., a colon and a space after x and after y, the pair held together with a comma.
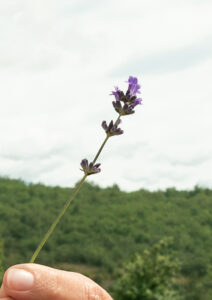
x: 104, y: 228
x: 1, y: 259
x: 150, y: 276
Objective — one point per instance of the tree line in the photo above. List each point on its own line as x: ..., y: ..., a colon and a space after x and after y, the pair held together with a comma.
x: 103, y: 230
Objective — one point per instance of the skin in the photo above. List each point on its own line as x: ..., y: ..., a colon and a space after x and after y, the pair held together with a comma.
x: 50, y: 284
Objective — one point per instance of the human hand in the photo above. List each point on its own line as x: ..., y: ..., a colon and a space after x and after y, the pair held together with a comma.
x: 37, y: 282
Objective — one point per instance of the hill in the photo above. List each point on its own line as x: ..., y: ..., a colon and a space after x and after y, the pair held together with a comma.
x: 103, y: 228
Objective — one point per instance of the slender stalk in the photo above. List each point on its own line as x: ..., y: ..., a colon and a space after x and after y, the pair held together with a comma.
x: 52, y: 227
x: 117, y: 119
x: 102, y: 146
x: 63, y: 210
x: 100, y: 149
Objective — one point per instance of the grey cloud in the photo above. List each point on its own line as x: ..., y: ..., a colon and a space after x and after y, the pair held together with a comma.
x: 192, y: 160
x: 64, y: 151
x: 30, y: 172
x: 169, y: 61
x: 67, y: 8
x: 27, y: 156
x: 195, y: 161
x: 125, y: 150
x: 158, y: 178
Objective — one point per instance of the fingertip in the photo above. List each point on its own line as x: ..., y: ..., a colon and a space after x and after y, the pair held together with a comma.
x: 18, y: 281
x: 33, y: 282
x: 2, y: 292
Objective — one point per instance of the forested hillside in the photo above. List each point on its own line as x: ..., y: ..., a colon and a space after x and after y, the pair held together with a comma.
x: 104, y: 228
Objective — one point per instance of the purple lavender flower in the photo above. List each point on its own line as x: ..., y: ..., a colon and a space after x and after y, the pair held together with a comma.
x: 124, y: 110
x: 112, y: 129
x: 137, y: 101
x: 129, y: 98
x: 116, y: 93
x: 134, y: 87
x: 89, y: 168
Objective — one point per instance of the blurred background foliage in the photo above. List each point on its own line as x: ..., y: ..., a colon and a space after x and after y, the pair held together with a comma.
x: 1, y: 261
x: 103, y: 230
x: 151, y: 275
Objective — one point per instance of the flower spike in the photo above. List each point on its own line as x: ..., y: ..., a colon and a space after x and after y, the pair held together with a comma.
x: 129, y: 98
x: 123, y: 110
x: 124, y: 104
x: 112, y: 129
x: 89, y: 168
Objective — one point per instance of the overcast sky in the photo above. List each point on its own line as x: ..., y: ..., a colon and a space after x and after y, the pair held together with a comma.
x: 59, y: 61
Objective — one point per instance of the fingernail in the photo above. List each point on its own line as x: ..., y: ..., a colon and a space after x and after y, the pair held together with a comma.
x: 19, y: 280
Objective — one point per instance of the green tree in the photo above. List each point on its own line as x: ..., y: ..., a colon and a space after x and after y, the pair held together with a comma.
x: 149, y: 276
x: 1, y: 259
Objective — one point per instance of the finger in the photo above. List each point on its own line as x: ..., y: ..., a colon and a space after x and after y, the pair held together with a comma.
x: 2, y: 292
x: 33, y: 282
x: 3, y: 295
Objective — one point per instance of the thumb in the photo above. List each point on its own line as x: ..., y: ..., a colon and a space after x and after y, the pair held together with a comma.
x: 33, y: 282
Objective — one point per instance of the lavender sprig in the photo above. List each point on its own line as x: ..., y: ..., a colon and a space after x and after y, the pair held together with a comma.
x: 129, y: 99
x: 124, y: 104
x: 89, y: 168
x: 112, y: 129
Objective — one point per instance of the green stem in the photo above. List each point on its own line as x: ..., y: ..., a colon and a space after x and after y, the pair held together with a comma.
x: 100, y: 149
x: 102, y: 146
x: 117, y: 119
x: 52, y: 227
x: 63, y: 210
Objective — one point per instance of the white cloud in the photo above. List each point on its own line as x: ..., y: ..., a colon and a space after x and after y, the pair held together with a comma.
x: 59, y: 61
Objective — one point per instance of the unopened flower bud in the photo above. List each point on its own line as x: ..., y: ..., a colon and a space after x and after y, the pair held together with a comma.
x: 112, y: 129
x: 89, y: 168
